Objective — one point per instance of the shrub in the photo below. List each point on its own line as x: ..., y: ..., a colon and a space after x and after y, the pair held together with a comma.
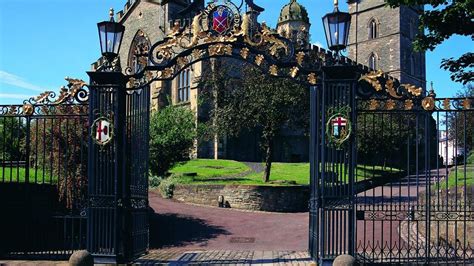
x: 166, y: 187
x: 154, y: 181
x: 172, y: 136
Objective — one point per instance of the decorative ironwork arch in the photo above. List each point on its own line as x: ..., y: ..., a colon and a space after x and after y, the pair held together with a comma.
x: 221, y: 31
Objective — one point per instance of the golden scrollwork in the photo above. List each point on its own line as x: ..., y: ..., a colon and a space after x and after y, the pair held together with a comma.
x: 244, y: 53
x: 428, y: 103
x: 390, y: 104
x: 372, y: 79
x: 270, y: 37
x: 220, y: 49
x: 300, y: 58
x: 273, y: 70
x: 408, y: 104
x: 259, y: 59
x: 466, y: 103
x: 294, y: 71
x: 390, y: 88
x: 446, y: 104
x: 413, y: 90
x: 373, y: 104
x: 28, y: 109
x: 312, y: 78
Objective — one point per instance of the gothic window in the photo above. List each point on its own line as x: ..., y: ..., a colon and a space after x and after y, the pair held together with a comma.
x: 373, y: 61
x: 373, y: 29
x: 184, y: 85
x: 138, y: 56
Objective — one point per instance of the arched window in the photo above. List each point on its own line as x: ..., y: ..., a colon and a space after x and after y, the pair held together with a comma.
x: 373, y: 61
x: 373, y: 29
x: 184, y: 85
x: 138, y: 55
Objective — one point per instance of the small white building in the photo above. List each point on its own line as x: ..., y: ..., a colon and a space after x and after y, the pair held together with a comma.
x: 447, y: 148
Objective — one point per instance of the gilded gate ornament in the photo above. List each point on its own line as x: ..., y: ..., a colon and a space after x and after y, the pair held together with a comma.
x: 466, y: 103
x: 428, y: 103
x: 312, y: 78
x: 408, y: 104
x: 446, y: 104
x: 273, y: 70
x: 259, y: 59
x: 373, y: 104
x: 294, y: 71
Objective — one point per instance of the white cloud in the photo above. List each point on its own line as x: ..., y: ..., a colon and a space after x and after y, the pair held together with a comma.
x: 15, y: 96
x: 14, y: 80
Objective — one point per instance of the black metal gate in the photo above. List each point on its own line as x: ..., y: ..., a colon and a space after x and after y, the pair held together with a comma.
x: 400, y: 189
x: 43, y: 181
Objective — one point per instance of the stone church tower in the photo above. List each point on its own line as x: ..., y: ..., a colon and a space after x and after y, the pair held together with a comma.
x: 293, y: 23
x: 381, y: 38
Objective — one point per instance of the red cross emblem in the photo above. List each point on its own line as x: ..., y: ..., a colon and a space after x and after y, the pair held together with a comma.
x: 103, y: 131
x: 338, y: 126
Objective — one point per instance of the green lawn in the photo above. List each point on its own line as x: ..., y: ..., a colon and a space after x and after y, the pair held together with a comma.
x: 209, y: 171
x: 206, y: 168
x: 460, y: 176
x: 18, y: 175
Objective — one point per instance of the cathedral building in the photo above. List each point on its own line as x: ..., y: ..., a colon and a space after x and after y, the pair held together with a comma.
x: 380, y: 37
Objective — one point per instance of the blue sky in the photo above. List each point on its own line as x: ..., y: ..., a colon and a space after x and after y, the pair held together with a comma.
x: 43, y: 41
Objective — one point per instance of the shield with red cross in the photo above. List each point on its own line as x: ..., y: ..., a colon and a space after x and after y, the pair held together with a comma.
x: 221, y: 19
x: 102, y: 131
x: 339, y: 124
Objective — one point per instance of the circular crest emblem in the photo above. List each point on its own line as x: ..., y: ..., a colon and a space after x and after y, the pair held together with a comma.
x: 338, y: 126
x: 222, y: 17
x: 102, y: 131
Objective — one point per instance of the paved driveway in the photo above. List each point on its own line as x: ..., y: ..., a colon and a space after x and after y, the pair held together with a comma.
x: 196, y: 227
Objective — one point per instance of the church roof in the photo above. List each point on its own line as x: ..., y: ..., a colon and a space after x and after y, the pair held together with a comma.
x: 293, y: 11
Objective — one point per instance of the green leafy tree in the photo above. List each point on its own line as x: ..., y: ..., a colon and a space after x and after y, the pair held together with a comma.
x: 249, y: 99
x: 461, y: 124
x: 12, y: 138
x: 172, y: 136
x: 440, y: 21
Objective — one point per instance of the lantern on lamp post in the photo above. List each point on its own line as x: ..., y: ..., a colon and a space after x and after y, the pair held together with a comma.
x: 110, y: 36
x: 336, y: 28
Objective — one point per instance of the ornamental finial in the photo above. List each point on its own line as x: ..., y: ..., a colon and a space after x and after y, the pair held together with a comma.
x: 111, y: 14
x: 336, y: 4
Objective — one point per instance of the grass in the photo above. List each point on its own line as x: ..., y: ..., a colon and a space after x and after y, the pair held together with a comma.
x: 208, y: 172
x: 459, y: 176
x: 17, y: 175
x: 207, y: 168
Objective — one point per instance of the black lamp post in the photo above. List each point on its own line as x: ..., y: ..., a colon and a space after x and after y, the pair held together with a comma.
x: 336, y: 27
x: 110, y: 35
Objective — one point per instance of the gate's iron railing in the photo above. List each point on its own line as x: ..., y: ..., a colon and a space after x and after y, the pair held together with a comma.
x: 43, y: 151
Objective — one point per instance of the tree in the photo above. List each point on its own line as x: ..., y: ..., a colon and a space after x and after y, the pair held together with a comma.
x: 172, y: 137
x: 444, y: 19
x: 12, y: 138
x: 460, y: 124
x: 250, y: 99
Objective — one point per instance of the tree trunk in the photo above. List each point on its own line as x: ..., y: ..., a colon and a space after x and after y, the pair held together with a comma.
x: 268, y: 159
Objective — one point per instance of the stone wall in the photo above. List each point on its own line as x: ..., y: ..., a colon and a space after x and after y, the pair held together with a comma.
x: 257, y: 198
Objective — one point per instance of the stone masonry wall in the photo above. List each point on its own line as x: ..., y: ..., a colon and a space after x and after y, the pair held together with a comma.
x: 257, y: 198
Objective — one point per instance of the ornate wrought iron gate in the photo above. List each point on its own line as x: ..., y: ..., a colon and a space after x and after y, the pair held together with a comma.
x: 400, y: 189
x: 43, y: 181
